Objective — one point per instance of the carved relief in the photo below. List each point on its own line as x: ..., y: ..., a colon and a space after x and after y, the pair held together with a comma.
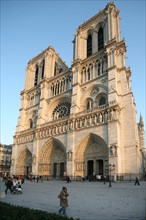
x: 24, y: 160
x: 95, y: 149
x: 79, y: 166
x: 69, y: 155
x: 95, y: 92
x: 104, y: 80
x: 113, y: 150
x: 52, y: 152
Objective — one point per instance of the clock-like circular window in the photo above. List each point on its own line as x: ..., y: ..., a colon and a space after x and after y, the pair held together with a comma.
x: 62, y: 110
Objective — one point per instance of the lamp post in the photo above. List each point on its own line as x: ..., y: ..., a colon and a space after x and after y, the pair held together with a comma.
x: 111, y: 167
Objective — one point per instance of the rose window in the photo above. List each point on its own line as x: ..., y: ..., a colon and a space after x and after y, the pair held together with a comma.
x: 62, y: 110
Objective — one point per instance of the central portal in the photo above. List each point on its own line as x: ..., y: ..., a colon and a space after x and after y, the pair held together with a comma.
x: 91, y: 157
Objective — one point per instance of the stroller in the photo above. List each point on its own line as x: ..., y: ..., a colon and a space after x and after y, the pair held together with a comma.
x: 16, y: 189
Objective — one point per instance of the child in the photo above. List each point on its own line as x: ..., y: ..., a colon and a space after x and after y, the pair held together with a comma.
x: 63, y: 200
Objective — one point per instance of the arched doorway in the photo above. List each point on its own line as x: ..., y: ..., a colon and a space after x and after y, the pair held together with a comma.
x: 52, y: 160
x: 91, y: 157
x: 24, y: 164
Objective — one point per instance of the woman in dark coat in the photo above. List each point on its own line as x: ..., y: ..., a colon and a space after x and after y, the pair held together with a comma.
x: 9, y: 185
x: 63, y: 200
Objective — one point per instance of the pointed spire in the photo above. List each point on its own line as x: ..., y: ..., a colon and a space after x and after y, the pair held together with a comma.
x: 141, y: 124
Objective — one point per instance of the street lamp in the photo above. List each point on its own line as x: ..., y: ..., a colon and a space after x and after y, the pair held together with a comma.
x: 111, y: 167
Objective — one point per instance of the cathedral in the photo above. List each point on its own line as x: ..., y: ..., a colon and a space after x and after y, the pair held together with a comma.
x: 80, y: 120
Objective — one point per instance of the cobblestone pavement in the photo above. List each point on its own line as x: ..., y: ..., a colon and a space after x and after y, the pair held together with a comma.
x: 87, y: 200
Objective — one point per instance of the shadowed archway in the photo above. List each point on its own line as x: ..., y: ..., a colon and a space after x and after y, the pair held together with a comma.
x: 52, y: 159
x: 24, y: 164
x: 91, y: 156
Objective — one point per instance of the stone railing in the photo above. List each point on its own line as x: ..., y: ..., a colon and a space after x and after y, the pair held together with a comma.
x: 90, y: 118
x: 60, y: 84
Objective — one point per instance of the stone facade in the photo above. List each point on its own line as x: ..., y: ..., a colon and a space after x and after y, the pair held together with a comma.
x: 80, y: 120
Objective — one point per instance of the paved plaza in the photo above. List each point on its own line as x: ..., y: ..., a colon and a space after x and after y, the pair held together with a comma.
x: 87, y: 200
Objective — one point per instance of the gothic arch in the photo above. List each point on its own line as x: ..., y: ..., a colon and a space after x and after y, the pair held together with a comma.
x: 101, y: 24
x: 91, y: 138
x: 24, y: 164
x: 91, y: 148
x: 53, y: 153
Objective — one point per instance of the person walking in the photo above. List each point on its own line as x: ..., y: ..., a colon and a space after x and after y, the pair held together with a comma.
x: 37, y: 179
x: 137, y: 181
x: 104, y: 179
x: 63, y: 196
x: 9, y: 184
x: 68, y: 179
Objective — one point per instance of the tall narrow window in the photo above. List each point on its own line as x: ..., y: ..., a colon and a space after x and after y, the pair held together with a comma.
x: 98, y: 69
x: 43, y: 67
x: 31, y: 123
x: 55, y: 69
x: 88, y: 105
x: 36, y: 76
x: 89, y: 73
x: 100, y: 39
x: 89, y: 46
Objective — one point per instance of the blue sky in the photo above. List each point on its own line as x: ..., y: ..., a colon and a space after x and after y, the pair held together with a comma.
x: 28, y: 27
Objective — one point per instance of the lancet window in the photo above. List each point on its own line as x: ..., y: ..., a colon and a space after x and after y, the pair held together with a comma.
x: 36, y: 76
x: 55, y: 69
x: 89, y: 74
x: 100, y: 39
x: 43, y: 68
x: 89, y: 45
x: 31, y: 123
x: 99, y: 71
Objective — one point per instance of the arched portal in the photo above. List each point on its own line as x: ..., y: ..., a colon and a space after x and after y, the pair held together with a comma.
x: 91, y: 156
x: 52, y: 159
x: 24, y: 164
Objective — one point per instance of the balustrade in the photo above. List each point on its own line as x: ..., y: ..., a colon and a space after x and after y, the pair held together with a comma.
x: 61, y: 85
x: 83, y: 119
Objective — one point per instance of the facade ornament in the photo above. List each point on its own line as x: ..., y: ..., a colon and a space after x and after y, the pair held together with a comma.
x: 113, y: 150
x: 69, y: 155
x: 104, y: 80
x: 94, y: 92
x: 84, y: 88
